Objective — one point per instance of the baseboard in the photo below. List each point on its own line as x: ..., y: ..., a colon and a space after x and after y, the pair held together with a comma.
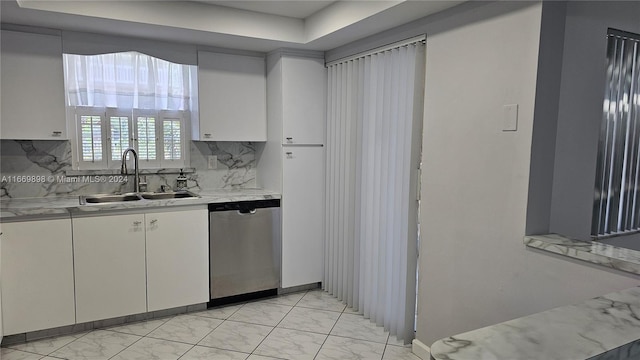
x: 420, y: 350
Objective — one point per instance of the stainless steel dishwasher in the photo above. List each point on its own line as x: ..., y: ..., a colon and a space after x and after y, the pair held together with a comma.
x: 244, y: 248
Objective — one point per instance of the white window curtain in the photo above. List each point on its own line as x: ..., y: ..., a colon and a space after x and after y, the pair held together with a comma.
x: 374, y: 116
x: 129, y: 80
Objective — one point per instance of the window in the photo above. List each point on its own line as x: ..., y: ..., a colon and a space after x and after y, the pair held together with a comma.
x: 617, y: 191
x: 127, y: 100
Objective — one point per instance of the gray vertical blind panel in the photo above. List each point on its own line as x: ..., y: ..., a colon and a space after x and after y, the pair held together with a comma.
x: 617, y: 196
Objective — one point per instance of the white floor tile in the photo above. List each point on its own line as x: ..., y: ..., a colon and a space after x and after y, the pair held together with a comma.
x: 236, y: 336
x: 357, y: 327
x: 260, y: 357
x: 286, y: 299
x: 319, y: 299
x: 142, y: 328
x: 47, y: 346
x: 291, y: 344
x: 339, y: 348
x: 185, y: 328
x: 398, y: 353
x: 148, y: 348
x: 309, y: 325
x: 261, y: 313
x: 207, y: 353
x: 11, y: 354
x: 96, y: 345
x: 320, y: 321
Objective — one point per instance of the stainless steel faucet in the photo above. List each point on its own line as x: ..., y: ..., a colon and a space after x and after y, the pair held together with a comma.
x: 123, y: 168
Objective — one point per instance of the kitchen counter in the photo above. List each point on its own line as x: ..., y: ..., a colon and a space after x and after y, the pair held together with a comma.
x: 23, y: 208
x: 605, y: 327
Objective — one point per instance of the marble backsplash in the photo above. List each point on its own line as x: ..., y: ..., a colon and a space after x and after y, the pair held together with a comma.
x: 30, y: 168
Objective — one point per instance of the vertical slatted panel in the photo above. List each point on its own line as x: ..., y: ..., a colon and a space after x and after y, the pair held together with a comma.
x: 636, y: 120
x: 632, y: 143
x: 618, y: 164
x: 328, y: 268
x: 369, y: 150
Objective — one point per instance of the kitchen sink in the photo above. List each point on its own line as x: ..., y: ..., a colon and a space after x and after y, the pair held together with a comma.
x: 168, y: 195
x: 107, y: 198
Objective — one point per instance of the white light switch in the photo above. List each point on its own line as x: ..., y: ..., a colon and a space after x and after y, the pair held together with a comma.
x: 212, y: 162
x: 510, y: 117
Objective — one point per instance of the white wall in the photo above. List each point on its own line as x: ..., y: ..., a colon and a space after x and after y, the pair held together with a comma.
x: 474, y: 269
x: 580, y: 111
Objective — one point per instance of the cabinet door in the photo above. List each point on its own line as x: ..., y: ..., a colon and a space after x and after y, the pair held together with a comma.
x: 32, y: 105
x: 302, y: 216
x: 304, y: 89
x: 109, y: 254
x: 232, y: 97
x: 37, y: 275
x: 177, y: 258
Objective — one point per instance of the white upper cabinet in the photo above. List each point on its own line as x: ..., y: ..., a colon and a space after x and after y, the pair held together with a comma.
x: 32, y: 86
x: 37, y: 275
x: 232, y: 98
x: 304, y: 88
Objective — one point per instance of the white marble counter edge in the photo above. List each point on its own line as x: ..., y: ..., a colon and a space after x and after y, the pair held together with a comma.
x: 17, y: 209
x: 594, y: 252
x: 587, y: 330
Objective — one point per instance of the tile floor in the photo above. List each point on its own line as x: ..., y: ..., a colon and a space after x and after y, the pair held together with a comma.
x: 300, y: 326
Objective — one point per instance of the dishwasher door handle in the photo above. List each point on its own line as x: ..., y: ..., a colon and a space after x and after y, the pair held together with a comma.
x: 250, y: 212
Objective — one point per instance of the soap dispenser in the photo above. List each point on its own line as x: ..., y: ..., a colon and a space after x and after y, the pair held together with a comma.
x: 181, y: 181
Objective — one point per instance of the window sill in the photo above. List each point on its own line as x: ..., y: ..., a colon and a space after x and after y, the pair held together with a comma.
x: 606, y: 255
x: 130, y: 170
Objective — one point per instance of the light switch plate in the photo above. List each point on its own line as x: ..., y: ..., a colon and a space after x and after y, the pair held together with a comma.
x: 510, y: 117
x: 212, y: 162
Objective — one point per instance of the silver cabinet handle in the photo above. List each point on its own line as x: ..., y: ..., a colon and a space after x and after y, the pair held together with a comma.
x: 289, y: 155
x: 152, y: 222
x: 208, y: 136
x: 289, y: 139
x: 137, y: 223
x: 56, y: 133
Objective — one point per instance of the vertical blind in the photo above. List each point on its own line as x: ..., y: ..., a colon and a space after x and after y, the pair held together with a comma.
x: 373, y: 131
x: 617, y: 195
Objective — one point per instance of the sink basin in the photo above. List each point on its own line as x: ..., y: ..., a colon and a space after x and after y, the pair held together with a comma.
x: 106, y: 198
x: 168, y: 195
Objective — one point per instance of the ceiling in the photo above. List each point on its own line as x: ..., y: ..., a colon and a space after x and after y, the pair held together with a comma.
x: 263, y: 25
x: 297, y: 9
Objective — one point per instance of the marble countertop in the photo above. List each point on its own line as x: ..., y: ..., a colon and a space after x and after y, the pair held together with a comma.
x: 610, y: 256
x: 23, y: 208
x: 599, y: 328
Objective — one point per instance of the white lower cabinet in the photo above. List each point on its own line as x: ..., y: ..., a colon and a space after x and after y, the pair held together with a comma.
x: 177, y: 258
x: 133, y: 263
x: 109, y: 254
x: 302, y: 215
x: 37, y: 275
